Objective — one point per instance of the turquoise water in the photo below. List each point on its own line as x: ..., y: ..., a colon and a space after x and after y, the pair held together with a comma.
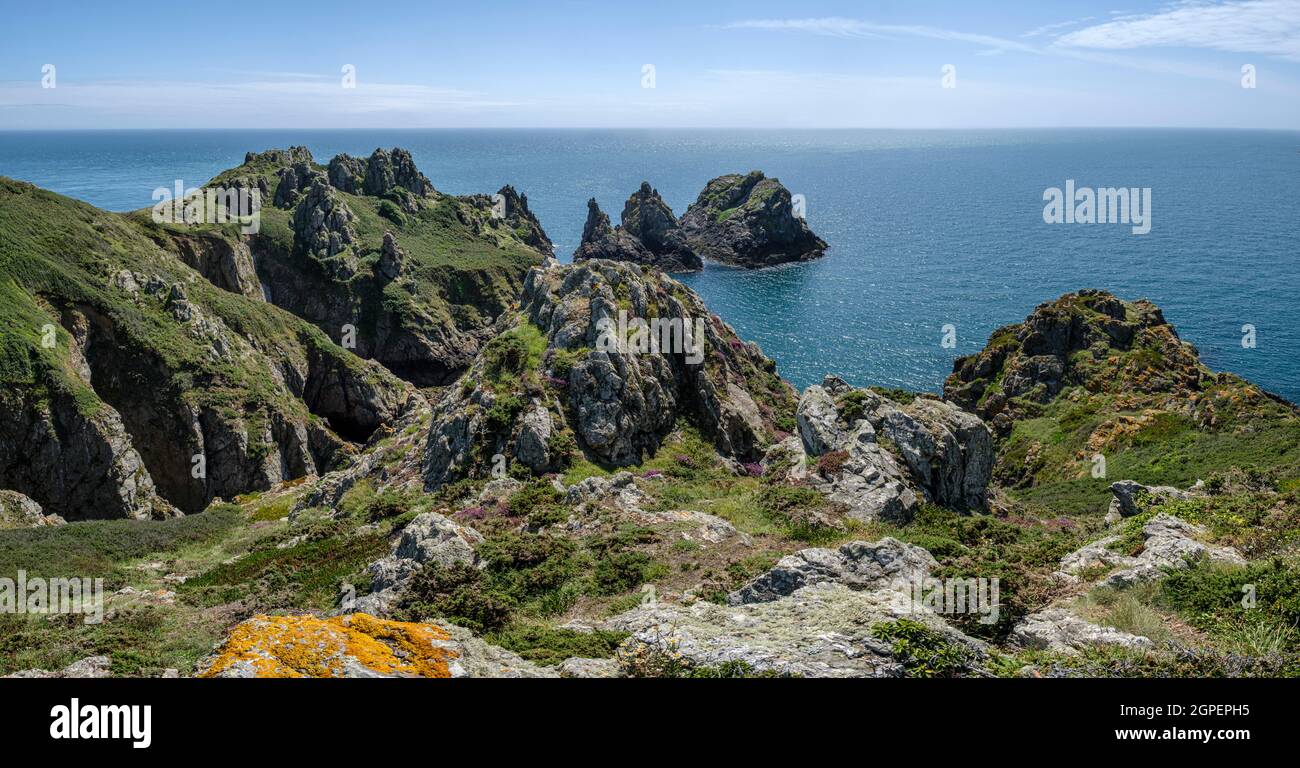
x: 926, y: 228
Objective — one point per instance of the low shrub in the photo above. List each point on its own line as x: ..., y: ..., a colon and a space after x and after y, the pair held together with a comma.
x: 923, y: 651
x: 459, y: 593
x: 550, y: 646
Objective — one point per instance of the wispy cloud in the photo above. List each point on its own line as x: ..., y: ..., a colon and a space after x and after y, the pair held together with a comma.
x: 1266, y: 27
x: 1049, y: 28
x: 993, y: 45
x: 856, y: 28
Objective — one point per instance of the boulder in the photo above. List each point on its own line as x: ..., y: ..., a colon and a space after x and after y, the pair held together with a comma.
x: 620, y: 490
x: 89, y: 667
x: 1095, y: 555
x: 818, y: 421
x: 589, y: 668
x: 359, y: 646
x: 1124, y: 501
x: 534, y: 433
x: 887, y: 563
x: 880, y: 457
x: 1058, y: 630
x: 949, y: 451
x: 868, y: 479
x: 1168, y: 544
x: 692, y: 525
x: 18, y: 511
x: 821, y: 630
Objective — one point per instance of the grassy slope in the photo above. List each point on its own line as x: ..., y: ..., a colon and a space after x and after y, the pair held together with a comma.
x: 1155, y: 413
x: 1164, y: 449
x: 55, y: 250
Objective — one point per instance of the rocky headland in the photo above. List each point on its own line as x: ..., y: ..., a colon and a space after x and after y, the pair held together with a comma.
x: 522, y: 468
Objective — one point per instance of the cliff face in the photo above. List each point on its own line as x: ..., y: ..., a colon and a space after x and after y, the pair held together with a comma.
x: 325, y: 253
x: 134, y: 388
x: 748, y: 221
x: 649, y: 219
x: 603, y: 361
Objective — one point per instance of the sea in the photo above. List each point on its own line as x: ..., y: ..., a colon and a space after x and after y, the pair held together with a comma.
x: 937, y: 238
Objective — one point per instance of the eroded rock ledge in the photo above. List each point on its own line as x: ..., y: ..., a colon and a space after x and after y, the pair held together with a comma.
x: 600, y: 389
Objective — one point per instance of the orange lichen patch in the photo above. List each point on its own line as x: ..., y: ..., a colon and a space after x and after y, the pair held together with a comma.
x: 398, y: 647
x: 307, y: 646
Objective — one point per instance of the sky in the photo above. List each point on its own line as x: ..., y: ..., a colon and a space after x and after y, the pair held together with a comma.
x: 651, y: 64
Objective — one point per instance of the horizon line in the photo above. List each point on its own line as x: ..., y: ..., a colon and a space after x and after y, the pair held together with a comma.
x: 742, y: 129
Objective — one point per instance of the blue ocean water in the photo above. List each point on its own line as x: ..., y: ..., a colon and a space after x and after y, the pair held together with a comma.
x: 927, y: 228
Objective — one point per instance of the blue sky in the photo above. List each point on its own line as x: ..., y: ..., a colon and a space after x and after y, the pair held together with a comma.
x: 716, y: 64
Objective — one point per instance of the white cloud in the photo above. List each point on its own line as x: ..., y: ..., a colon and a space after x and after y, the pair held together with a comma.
x: 1266, y: 27
x: 993, y: 45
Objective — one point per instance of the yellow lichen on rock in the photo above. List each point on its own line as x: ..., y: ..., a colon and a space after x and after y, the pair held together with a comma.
x: 355, y: 645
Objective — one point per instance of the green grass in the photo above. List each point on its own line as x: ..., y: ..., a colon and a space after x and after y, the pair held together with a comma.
x: 1132, y: 610
x: 694, y: 478
x: 100, y: 548
x: 1168, y: 451
x: 550, y: 646
x: 140, y: 642
x: 529, y: 577
x: 306, y: 576
x: 142, y: 638
x: 508, y: 357
x: 1174, y: 661
x: 1217, y: 597
x: 276, y: 508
